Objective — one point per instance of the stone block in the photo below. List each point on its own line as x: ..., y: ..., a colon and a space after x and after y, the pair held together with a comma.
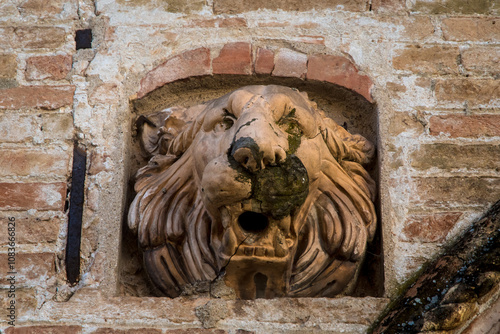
x: 450, y: 156
x: 482, y: 60
x: 48, y: 67
x: 8, y: 66
x: 472, y: 126
x: 289, y: 63
x: 190, y: 63
x: 383, y: 6
x: 264, y: 61
x: 340, y: 71
x: 40, y: 37
x: 475, y: 91
x: 26, y: 302
x: 438, y: 191
x: 42, y: 8
x: 234, y: 58
x: 44, y: 330
x: 427, y: 60
x: 429, y: 228
x: 32, y: 230
x: 35, y: 162
x: 240, y: 6
x: 127, y: 331
x: 28, y: 267
x: 43, y: 97
x: 15, y: 128
x: 480, y: 29
x: 57, y: 126
x: 26, y: 196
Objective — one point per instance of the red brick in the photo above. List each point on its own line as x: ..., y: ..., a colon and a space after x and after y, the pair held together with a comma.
x: 475, y: 91
x: 188, y: 64
x: 127, y: 331
x: 428, y: 60
x: 234, y: 58
x: 240, y: 6
x: 48, y: 67
x: 340, y: 71
x: 29, y: 267
x: 439, y: 191
x: 8, y: 66
x: 429, y: 228
x: 264, y: 61
x: 40, y: 37
x: 44, y: 330
x: 39, y: 196
x: 290, y: 63
x: 388, y: 5
x: 32, y: 230
x: 471, y: 29
x: 472, y: 126
x: 44, y: 97
x: 29, y: 162
x: 482, y: 60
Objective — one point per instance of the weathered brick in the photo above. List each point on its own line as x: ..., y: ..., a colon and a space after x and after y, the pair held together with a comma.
x: 26, y: 301
x: 456, y: 190
x: 15, y: 128
x: 311, y: 39
x: 42, y: 8
x: 234, y: 58
x: 190, y: 63
x: 388, y: 5
x: 32, y: 230
x: 455, y: 7
x: 475, y: 91
x: 44, y: 97
x: 417, y: 27
x: 264, y: 61
x: 106, y: 93
x: 39, y: 196
x: 429, y: 60
x: 240, y: 6
x: 195, y: 331
x: 28, y: 266
x: 44, y: 330
x: 7, y: 37
x: 405, y: 122
x: 482, y: 60
x: 40, y: 37
x: 35, y: 163
x: 448, y: 156
x: 429, y: 228
x: 98, y: 162
x: 57, y: 126
x: 48, y: 67
x: 465, y: 126
x: 289, y: 63
x: 127, y: 331
x: 218, y: 23
x: 8, y: 66
x: 340, y: 71
x: 183, y: 6
x: 471, y: 29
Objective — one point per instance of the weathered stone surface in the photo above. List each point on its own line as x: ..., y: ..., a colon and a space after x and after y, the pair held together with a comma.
x: 289, y: 63
x: 405, y: 123
x: 15, y: 128
x: 57, y: 126
x: 44, y: 330
x: 264, y: 61
x: 26, y: 302
x: 48, y: 67
x: 449, y: 156
x: 486, y: 322
x: 34, y: 163
x: 455, y: 7
x: 456, y: 190
x: 42, y: 8
x: 475, y: 91
x: 105, y: 94
x: 32, y: 230
x: 40, y: 37
x: 44, y: 97
x: 190, y: 63
x: 340, y: 71
x: 8, y: 66
x: 388, y: 5
x: 429, y: 228
x: 234, y: 58
x: 127, y: 331
x: 428, y: 60
x: 484, y: 29
x: 473, y: 126
x: 481, y: 60
x: 26, y: 196
x: 29, y: 267
x: 229, y: 22
x: 240, y: 6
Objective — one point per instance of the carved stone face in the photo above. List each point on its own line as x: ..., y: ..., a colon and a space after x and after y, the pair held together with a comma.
x: 259, y: 186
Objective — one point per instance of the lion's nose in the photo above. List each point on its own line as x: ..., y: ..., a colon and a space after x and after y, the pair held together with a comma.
x: 254, y: 157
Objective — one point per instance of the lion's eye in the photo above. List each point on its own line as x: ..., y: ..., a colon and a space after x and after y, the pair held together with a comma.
x: 226, y: 123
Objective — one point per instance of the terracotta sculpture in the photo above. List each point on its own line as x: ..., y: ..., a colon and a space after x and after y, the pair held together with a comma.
x: 257, y: 186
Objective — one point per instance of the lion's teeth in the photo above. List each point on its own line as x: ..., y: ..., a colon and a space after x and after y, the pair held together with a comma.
x: 269, y: 252
x: 249, y: 251
x: 260, y: 251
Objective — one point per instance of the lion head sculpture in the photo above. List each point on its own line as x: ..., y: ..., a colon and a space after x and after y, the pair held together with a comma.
x: 258, y: 186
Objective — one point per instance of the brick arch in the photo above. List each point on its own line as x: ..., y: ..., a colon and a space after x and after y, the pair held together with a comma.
x: 242, y: 58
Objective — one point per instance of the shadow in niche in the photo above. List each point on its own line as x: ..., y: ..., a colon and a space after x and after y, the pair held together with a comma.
x: 345, y: 107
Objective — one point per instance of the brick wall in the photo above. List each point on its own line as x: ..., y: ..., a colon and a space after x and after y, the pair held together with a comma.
x: 431, y: 68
